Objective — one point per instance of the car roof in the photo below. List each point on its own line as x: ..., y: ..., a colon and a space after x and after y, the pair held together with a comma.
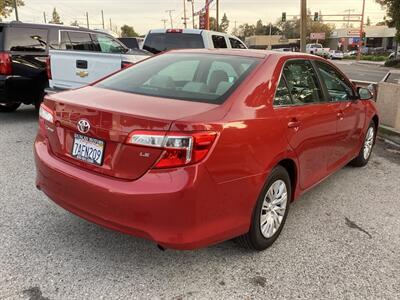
x: 190, y: 31
x: 47, y: 26
x: 246, y: 53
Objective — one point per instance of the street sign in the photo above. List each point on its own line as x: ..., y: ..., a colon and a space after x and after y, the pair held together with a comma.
x: 317, y: 36
x: 353, y: 33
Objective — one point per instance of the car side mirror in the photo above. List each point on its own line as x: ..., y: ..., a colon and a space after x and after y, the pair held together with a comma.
x: 364, y: 93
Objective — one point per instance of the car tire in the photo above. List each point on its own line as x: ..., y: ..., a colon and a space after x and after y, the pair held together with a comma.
x: 366, y: 149
x: 9, y: 107
x: 266, y: 214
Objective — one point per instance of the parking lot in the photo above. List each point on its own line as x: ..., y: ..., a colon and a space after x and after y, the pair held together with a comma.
x: 341, y: 240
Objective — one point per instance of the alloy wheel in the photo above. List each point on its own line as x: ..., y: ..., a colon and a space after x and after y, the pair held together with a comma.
x: 369, y: 142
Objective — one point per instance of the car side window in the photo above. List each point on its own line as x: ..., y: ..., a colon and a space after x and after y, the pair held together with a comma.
x: 219, y: 41
x: 79, y: 41
x: 26, y: 39
x: 338, y: 88
x: 302, y: 82
x: 282, y: 94
x: 236, y: 44
x: 109, y: 45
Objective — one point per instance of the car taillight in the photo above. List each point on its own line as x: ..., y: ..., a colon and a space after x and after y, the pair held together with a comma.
x: 5, y: 63
x: 45, y: 115
x: 174, y: 31
x: 178, y: 149
x: 48, y: 67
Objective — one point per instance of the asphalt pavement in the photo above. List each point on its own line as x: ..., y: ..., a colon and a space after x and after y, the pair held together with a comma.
x: 341, y: 241
x: 362, y: 71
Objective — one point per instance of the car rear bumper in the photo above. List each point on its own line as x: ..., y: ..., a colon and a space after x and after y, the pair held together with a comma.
x: 171, y: 208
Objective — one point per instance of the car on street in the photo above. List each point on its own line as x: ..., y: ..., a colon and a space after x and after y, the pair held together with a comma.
x: 317, y: 49
x: 335, y: 54
x: 350, y: 53
x: 83, y: 57
x: 24, y: 49
x: 160, y: 40
x: 195, y: 147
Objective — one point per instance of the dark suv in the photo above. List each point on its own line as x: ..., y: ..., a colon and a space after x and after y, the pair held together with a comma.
x: 23, y: 53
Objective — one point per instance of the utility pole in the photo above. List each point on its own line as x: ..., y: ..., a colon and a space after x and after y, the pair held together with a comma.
x: 169, y: 11
x: 87, y: 20
x: 207, y: 16
x: 184, y: 14
x: 44, y: 17
x: 361, y: 32
x: 165, y: 23
x: 348, y: 19
x: 102, y: 18
x: 270, y: 36
x: 16, y: 10
x: 217, y: 6
x: 110, y: 25
x: 303, y: 25
x: 193, y: 13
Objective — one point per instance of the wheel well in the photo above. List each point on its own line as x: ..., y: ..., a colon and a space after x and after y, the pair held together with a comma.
x: 375, y: 119
x: 290, y: 167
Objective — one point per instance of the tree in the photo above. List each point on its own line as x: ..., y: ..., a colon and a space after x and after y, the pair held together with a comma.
x: 259, y: 28
x: 7, y: 7
x: 368, y: 21
x: 246, y: 30
x: 75, y: 23
x: 55, y: 19
x: 213, y: 24
x: 128, y: 31
x: 262, y: 29
x: 223, y: 27
x: 393, y: 12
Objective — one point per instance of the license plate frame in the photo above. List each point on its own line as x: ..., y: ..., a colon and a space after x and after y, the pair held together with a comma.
x: 86, y: 149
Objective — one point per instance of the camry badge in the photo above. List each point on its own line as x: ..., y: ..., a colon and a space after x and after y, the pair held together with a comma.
x: 83, y: 126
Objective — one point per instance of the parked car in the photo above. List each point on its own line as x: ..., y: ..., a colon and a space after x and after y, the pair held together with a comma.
x: 350, y: 53
x: 283, y: 49
x: 24, y: 48
x: 194, y: 147
x: 335, y: 54
x: 85, y: 57
x: 132, y: 42
x: 317, y: 49
x: 392, y: 55
x: 160, y: 40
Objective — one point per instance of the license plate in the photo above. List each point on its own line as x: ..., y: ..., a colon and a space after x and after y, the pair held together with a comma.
x: 88, y: 149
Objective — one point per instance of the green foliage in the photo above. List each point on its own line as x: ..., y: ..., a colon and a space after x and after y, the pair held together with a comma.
x: 262, y: 29
x: 213, y: 24
x: 128, y: 31
x: 7, y: 7
x: 223, y: 27
x: 55, y: 17
x: 393, y: 63
x: 393, y: 12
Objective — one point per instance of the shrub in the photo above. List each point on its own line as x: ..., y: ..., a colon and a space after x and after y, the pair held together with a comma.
x: 394, y: 63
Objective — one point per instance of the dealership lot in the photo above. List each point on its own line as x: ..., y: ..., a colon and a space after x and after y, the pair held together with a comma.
x: 341, y: 240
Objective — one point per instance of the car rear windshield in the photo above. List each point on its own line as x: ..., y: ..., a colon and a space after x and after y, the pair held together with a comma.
x: 159, y: 42
x: 183, y: 76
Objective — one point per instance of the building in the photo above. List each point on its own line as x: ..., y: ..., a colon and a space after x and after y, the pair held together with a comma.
x: 347, y: 39
x: 271, y: 42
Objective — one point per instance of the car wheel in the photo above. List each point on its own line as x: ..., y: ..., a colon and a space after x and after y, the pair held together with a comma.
x: 9, y: 107
x: 270, y: 213
x: 366, y: 149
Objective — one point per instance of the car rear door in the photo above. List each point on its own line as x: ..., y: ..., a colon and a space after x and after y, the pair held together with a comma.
x: 349, y: 111
x: 309, y: 119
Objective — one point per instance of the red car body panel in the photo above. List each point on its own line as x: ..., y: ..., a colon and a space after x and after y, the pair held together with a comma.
x: 208, y: 202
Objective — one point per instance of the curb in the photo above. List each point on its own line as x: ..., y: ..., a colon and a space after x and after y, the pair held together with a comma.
x: 389, y: 134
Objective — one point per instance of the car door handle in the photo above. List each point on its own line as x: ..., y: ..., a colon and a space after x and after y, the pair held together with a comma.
x: 340, y: 115
x: 82, y: 64
x: 294, y: 124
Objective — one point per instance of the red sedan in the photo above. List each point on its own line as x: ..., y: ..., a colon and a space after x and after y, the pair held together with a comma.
x: 194, y: 147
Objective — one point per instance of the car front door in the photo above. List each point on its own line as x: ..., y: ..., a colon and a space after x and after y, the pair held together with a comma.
x: 349, y: 112
x: 309, y: 119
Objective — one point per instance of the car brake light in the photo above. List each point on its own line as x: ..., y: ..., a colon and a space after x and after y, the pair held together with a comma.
x: 48, y: 67
x: 174, y: 30
x: 5, y: 63
x: 46, y: 113
x: 178, y: 149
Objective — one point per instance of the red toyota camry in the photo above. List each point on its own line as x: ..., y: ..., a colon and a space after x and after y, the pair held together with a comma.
x: 194, y: 147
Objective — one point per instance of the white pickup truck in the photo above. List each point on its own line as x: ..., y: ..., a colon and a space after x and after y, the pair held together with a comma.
x: 85, y: 57
x: 317, y: 49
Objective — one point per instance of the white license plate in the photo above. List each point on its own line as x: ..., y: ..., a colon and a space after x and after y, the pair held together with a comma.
x: 88, y: 149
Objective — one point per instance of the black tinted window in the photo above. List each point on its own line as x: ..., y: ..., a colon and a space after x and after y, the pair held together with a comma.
x: 26, y: 39
x: 79, y: 41
x: 131, y: 43
x: 236, y: 44
x: 183, y: 76
x: 338, y: 88
x: 219, y: 41
x: 159, y: 42
x: 53, y: 39
x: 302, y: 82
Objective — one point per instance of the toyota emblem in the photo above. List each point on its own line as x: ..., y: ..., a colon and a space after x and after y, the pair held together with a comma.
x: 83, y: 126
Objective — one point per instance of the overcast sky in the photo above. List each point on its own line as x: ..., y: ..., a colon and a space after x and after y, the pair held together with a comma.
x: 147, y: 14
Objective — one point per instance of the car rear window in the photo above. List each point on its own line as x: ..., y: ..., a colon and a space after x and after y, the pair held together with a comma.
x: 26, y: 39
x: 191, y: 77
x: 159, y: 42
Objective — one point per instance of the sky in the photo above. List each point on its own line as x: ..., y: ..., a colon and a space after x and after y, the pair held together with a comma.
x: 147, y: 14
